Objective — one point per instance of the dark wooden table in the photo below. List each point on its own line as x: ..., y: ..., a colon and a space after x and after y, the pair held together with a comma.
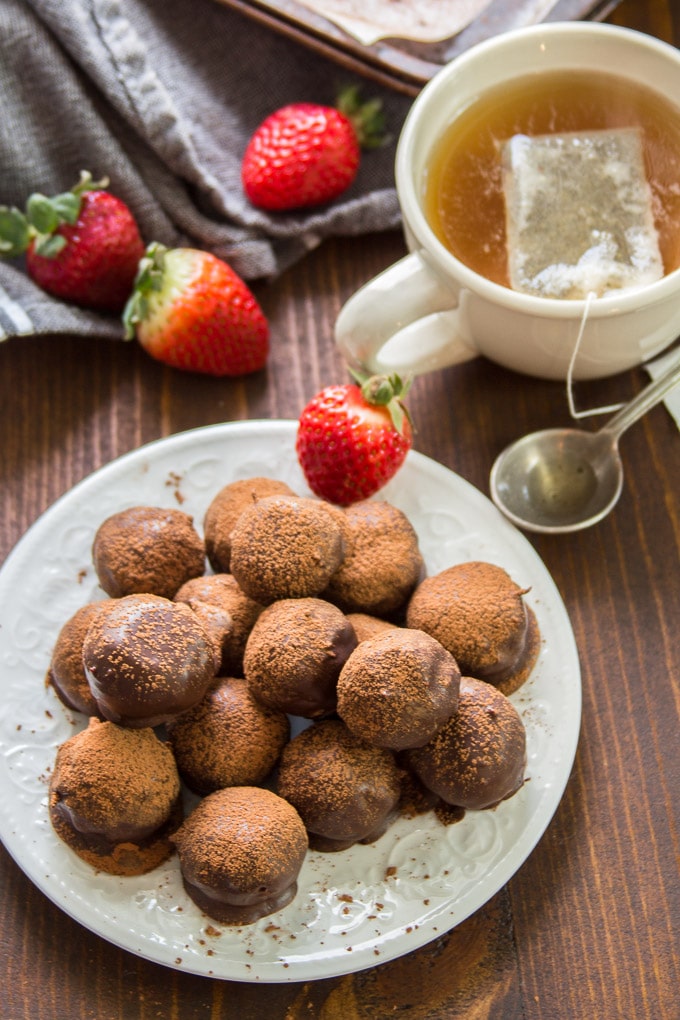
x: 588, y: 926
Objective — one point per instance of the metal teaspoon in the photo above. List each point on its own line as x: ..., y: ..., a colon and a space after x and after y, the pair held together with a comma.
x: 561, y: 480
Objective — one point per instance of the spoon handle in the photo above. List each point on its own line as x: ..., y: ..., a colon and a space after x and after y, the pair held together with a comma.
x: 645, y: 400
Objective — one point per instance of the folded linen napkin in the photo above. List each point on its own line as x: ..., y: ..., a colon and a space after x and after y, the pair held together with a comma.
x: 655, y: 368
x: 161, y: 96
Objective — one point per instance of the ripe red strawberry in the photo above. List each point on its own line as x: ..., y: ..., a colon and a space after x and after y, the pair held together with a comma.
x: 82, y: 246
x: 352, y: 439
x: 305, y: 154
x: 190, y: 310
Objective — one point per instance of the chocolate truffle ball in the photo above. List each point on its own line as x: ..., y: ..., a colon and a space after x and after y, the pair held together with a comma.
x: 384, y: 565
x: 345, y: 790
x: 114, y: 798
x: 146, y: 660
x: 366, y: 626
x: 227, y: 614
x: 228, y: 739
x: 226, y: 508
x: 286, y: 547
x: 295, y: 653
x: 478, y: 612
x: 240, y: 853
x: 147, y: 549
x: 397, y: 689
x: 479, y: 757
x: 66, y: 672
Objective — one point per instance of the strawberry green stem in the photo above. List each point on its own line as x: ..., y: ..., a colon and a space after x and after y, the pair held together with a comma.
x: 386, y: 391
x: 149, y: 278
x: 42, y: 218
x: 367, y: 117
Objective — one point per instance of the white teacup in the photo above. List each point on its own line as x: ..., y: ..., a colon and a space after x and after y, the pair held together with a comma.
x: 430, y: 310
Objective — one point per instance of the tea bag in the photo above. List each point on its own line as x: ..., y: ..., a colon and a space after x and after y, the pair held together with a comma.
x: 579, y: 214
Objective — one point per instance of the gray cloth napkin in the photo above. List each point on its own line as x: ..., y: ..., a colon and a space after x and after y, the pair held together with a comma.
x: 161, y: 96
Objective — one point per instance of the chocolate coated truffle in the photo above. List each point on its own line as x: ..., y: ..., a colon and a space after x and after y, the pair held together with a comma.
x: 295, y: 653
x: 227, y: 614
x: 226, y: 508
x: 66, y: 672
x: 228, y: 739
x: 477, y: 611
x: 115, y: 798
x: 286, y: 547
x: 240, y: 852
x: 146, y: 660
x: 398, y: 688
x: 366, y: 626
x: 345, y: 790
x: 479, y: 757
x: 147, y: 549
x: 384, y: 565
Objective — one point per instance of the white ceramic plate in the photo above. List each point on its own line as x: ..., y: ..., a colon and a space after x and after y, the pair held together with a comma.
x: 354, y: 909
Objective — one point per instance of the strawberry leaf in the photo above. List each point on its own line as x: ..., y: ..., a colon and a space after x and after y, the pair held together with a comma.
x: 14, y: 232
x: 367, y: 118
x: 387, y: 391
x: 149, y: 278
x: 41, y: 214
x: 67, y: 207
x: 46, y: 215
x: 49, y: 246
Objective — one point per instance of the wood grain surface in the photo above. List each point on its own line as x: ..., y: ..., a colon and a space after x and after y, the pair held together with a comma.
x: 587, y: 929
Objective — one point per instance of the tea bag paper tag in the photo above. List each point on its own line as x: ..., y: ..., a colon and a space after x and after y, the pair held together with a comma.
x: 579, y: 215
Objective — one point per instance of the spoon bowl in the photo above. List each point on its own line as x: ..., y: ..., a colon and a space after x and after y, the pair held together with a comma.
x: 562, y: 480
x: 558, y: 480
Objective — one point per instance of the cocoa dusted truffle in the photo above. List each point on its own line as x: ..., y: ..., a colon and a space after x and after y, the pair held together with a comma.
x: 397, y: 689
x: 226, y: 508
x: 146, y: 660
x: 147, y: 549
x: 227, y: 614
x: 295, y: 653
x: 240, y: 853
x: 478, y: 612
x: 479, y: 757
x: 366, y: 626
x: 286, y: 547
x: 66, y: 672
x: 114, y: 798
x: 345, y: 790
x: 228, y: 739
x: 384, y: 565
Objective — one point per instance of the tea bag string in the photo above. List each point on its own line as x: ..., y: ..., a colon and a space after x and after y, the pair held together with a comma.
x: 590, y: 297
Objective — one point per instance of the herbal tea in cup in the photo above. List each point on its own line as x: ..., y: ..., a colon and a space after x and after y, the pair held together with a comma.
x: 616, y: 171
x: 539, y: 180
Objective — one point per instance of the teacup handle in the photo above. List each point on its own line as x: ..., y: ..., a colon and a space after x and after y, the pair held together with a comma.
x: 404, y: 320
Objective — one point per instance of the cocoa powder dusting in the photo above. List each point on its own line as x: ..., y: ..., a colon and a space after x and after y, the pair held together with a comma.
x: 110, y: 775
x: 226, y: 508
x: 343, y: 788
x: 147, y: 549
x: 232, y: 616
x: 295, y: 653
x: 285, y: 547
x: 398, y: 688
x: 478, y: 758
x: 147, y: 656
x: 384, y: 563
x: 228, y: 739
x: 66, y: 673
x: 241, y: 838
x: 478, y: 613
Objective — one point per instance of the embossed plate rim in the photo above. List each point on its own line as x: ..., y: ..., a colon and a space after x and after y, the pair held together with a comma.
x: 365, y: 906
